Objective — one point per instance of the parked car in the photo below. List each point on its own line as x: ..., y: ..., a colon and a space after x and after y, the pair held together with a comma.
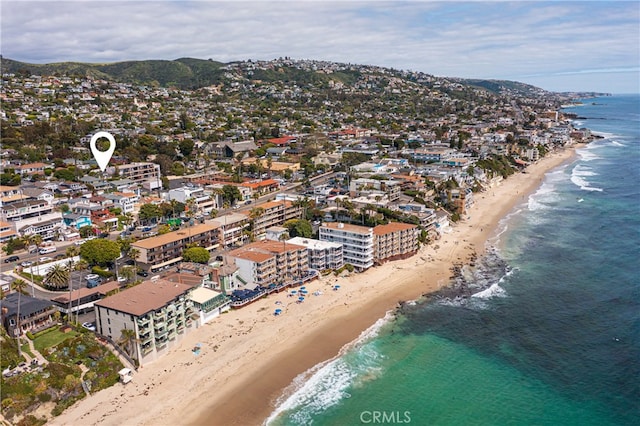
x: 11, y: 259
x: 89, y: 326
x: 93, y: 280
x: 143, y: 273
x: 26, y: 263
x: 45, y: 259
x: 60, y: 256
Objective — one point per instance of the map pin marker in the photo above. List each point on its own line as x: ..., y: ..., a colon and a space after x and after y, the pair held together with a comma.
x: 103, y: 157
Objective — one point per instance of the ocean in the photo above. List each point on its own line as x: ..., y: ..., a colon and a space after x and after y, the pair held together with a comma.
x: 543, y: 330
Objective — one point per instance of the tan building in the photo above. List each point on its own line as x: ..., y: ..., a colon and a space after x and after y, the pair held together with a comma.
x: 159, y: 312
x: 266, y: 262
x: 394, y: 241
x: 137, y: 172
x: 165, y: 250
x: 275, y: 213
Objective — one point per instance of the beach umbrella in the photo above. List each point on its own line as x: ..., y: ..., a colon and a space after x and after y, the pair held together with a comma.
x: 294, y: 291
x: 301, y: 299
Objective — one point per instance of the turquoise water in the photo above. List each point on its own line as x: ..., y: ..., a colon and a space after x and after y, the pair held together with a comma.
x: 551, y: 335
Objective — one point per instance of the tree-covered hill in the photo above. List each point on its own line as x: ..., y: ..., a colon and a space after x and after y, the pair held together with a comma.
x: 184, y: 73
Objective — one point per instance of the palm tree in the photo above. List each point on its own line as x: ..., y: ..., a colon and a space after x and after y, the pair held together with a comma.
x: 80, y: 265
x: 32, y: 240
x: 70, y: 268
x: 29, y: 240
x: 254, y: 214
x: 19, y: 286
x: 127, y: 340
x: 127, y: 272
x: 57, y: 277
x: 133, y: 254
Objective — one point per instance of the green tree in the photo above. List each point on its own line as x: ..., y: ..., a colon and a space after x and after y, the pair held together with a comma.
x: 299, y: 228
x: 186, y: 147
x: 231, y: 193
x: 149, y: 213
x: 86, y: 231
x: 64, y: 174
x: 100, y: 251
x: 57, y: 277
x: 196, y: 254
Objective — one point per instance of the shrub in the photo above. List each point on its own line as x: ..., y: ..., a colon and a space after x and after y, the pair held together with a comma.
x: 99, y: 271
x: 30, y: 335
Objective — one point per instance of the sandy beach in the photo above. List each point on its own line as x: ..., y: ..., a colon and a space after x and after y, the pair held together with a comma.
x: 249, y: 356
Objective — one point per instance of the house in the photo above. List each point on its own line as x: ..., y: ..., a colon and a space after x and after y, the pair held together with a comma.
x: 35, y: 314
x: 6, y: 231
x: 30, y: 169
x: 76, y: 220
x: 159, y: 312
x: 357, y: 242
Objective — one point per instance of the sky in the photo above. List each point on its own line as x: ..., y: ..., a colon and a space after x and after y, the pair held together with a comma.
x: 558, y: 46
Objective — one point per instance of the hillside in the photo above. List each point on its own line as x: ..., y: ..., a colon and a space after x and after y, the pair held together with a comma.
x: 184, y: 73
x: 191, y: 73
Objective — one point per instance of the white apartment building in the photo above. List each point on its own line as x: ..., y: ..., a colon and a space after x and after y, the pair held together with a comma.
x: 357, y: 242
x: 323, y: 255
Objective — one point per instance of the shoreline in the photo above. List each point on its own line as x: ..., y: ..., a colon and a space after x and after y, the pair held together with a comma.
x: 249, y: 357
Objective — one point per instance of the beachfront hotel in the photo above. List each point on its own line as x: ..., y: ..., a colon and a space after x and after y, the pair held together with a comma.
x: 159, y: 311
x: 323, y: 255
x: 166, y: 250
x: 394, y: 241
x: 267, y: 262
x: 357, y: 242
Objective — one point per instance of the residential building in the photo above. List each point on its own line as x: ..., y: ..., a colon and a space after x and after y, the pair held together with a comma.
x: 31, y: 169
x: 234, y: 229
x: 203, y: 201
x: 210, y: 303
x: 274, y: 213
x: 76, y: 220
x: 323, y: 255
x: 6, y: 231
x: 165, y: 250
x: 357, y: 242
x: 35, y: 314
x: 159, y: 312
x: 126, y: 201
x: 137, y: 172
x: 269, y: 262
x: 375, y: 187
x: 393, y: 241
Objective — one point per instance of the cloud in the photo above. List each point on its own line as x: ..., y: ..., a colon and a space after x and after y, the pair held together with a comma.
x: 474, y: 39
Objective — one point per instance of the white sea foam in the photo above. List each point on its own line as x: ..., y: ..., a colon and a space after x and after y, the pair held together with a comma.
x: 587, y: 155
x: 579, y: 175
x: 544, y: 196
x: 326, y: 384
x: 616, y: 143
